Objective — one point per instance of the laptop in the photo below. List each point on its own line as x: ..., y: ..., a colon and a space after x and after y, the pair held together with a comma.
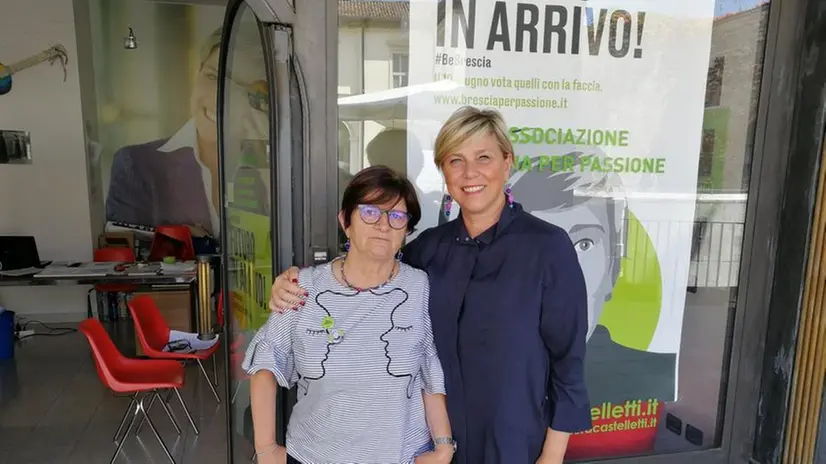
x: 19, y: 252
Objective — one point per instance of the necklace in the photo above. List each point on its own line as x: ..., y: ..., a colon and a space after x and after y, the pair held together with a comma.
x: 362, y: 289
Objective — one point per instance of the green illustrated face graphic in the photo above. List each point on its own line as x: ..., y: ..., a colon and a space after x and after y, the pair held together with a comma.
x: 328, y: 323
x: 589, y: 228
x: 633, y: 312
x: 618, y: 259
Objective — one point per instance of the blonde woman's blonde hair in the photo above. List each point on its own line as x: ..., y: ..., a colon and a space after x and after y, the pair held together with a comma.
x: 211, y: 45
x: 247, y: 56
x: 467, y: 122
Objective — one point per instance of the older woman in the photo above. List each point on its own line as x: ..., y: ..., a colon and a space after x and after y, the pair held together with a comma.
x: 370, y: 385
x: 508, y: 303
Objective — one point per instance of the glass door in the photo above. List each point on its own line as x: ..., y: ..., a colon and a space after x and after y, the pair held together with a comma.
x: 256, y: 86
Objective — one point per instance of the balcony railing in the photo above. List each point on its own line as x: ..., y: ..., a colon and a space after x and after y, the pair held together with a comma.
x: 716, y: 242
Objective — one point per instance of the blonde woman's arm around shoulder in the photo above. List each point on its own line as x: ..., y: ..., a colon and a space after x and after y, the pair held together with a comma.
x: 435, y: 401
x: 269, y: 362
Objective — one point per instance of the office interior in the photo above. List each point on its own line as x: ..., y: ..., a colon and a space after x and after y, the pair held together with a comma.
x: 130, y: 78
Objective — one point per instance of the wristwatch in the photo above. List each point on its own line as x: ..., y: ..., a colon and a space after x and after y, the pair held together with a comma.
x: 445, y: 441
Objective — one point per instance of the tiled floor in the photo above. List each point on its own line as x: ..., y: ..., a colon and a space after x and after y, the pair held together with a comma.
x: 53, y: 409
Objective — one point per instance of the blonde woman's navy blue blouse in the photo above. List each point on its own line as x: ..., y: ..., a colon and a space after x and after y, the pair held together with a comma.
x: 509, y: 314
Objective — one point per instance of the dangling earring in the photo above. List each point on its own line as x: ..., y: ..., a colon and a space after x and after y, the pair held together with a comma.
x: 399, y: 255
x: 347, y: 245
x: 509, y: 195
x: 446, y: 204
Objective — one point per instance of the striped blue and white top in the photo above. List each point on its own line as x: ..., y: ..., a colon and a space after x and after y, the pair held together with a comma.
x: 361, y: 362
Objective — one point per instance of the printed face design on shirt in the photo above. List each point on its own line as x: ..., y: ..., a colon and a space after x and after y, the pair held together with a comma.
x: 318, y: 327
x: 319, y: 332
x: 401, y: 338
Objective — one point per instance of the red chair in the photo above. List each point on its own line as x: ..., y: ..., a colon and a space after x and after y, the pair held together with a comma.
x: 114, y: 255
x: 219, y: 310
x: 153, y: 336
x: 141, y: 378
x: 172, y: 241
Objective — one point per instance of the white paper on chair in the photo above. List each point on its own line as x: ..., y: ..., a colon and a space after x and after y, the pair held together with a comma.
x: 178, y: 267
x: 185, y: 342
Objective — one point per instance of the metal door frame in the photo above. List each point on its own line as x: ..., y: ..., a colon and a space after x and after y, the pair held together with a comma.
x: 299, y: 106
x: 314, y: 25
x: 315, y: 51
x: 805, y: 110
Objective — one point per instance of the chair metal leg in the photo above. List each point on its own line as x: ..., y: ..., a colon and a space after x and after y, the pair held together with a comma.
x: 139, y: 419
x: 89, y: 313
x: 215, y: 369
x: 186, y: 411
x: 168, y: 412
x: 165, y: 404
x: 235, y: 394
x: 125, y: 416
x: 206, y: 376
x: 138, y: 407
x: 155, y: 431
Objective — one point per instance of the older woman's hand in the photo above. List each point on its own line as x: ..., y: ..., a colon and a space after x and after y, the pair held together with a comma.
x: 285, y: 293
x: 434, y: 457
x: 277, y: 456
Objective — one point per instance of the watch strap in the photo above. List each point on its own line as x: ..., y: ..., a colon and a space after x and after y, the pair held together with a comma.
x: 445, y: 441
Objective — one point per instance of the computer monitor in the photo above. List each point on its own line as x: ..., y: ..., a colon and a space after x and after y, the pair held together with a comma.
x: 18, y: 252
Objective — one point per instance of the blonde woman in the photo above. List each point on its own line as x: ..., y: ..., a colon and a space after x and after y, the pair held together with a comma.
x: 508, y: 304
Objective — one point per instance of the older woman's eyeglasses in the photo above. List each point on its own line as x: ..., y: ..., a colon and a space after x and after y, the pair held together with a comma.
x: 371, y: 214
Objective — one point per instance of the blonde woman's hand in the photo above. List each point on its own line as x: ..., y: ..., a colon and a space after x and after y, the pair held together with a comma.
x: 285, y: 293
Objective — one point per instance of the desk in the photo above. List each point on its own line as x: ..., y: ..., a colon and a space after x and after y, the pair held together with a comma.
x: 197, y: 277
x: 166, y: 281
x: 178, y: 280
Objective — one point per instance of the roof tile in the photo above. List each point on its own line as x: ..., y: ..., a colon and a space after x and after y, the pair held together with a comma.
x: 372, y: 9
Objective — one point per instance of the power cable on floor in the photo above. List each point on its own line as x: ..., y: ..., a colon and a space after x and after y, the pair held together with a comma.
x: 23, y: 324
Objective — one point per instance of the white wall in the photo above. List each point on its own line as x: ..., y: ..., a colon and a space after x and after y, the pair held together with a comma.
x: 350, y: 61
x: 379, y: 45
x: 350, y: 76
x: 49, y: 198
x: 365, y: 66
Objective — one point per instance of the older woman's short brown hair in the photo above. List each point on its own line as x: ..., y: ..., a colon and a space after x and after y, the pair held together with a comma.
x: 467, y: 122
x: 378, y: 185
